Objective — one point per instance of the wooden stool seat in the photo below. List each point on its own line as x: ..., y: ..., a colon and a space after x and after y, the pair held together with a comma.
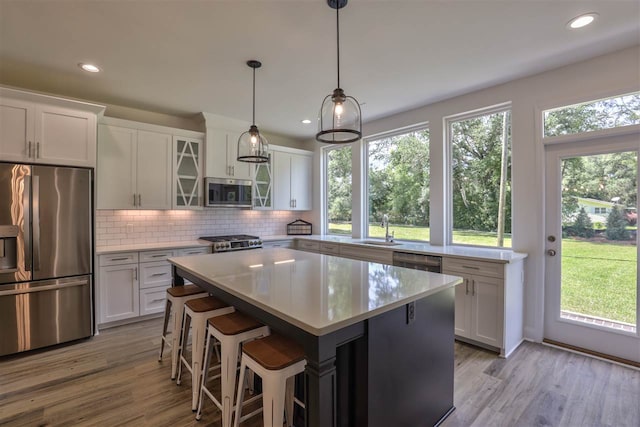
x: 274, y: 352
x: 234, y: 323
x: 183, y: 291
x: 200, y: 305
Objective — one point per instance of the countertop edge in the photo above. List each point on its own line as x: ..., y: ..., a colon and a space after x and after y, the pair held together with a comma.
x: 102, y: 250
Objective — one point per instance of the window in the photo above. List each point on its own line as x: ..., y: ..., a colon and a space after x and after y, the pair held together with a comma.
x: 609, y: 113
x: 481, y: 179
x: 338, y: 189
x: 398, y: 185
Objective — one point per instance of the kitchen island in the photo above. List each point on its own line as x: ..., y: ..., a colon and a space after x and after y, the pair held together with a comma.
x: 378, y: 338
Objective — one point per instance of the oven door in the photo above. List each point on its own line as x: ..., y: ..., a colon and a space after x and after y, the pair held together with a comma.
x: 228, y: 193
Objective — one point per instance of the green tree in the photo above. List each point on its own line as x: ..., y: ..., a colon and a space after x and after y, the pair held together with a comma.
x: 617, y: 224
x: 583, y: 226
x: 339, y: 184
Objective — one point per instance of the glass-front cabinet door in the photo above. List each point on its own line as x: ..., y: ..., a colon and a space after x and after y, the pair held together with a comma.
x: 188, y: 173
x: 262, y: 186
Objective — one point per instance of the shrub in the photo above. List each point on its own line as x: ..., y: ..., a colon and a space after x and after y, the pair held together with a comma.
x: 582, y: 226
x: 617, y: 225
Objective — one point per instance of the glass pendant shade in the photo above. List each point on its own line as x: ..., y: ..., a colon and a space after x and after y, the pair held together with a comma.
x: 340, y: 119
x: 253, y: 147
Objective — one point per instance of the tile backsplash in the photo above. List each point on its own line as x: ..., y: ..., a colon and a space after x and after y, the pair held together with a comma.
x: 126, y: 227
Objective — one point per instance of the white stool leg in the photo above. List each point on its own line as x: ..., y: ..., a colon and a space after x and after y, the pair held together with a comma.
x: 167, y: 313
x: 175, y: 337
x: 205, y: 373
x: 229, y: 360
x: 273, y: 391
x: 240, y: 397
x: 184, y: 338
x: 288, y: 399
x: 197, y: 355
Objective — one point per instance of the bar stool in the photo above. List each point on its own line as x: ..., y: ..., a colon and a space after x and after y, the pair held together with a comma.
x: 176, y: 297
x: 231, y: 330
x: 277, y: 360
x: 196, y: 313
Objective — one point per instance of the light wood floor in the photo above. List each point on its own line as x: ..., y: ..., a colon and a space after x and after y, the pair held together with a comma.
x: 114, y: 379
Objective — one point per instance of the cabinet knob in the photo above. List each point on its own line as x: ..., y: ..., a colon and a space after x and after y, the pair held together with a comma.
x: 551, y: 252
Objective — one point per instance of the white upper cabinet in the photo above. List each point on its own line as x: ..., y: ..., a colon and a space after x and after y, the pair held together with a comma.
x: 43, y: 129
x: 222, y: 148
x: 292, y: 180
x: 134, y: 168
x: 187, y: 172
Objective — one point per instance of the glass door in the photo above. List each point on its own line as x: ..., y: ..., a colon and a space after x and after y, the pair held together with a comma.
x: 188, y: 175
x: 591, y: 268
x: 262, y: 186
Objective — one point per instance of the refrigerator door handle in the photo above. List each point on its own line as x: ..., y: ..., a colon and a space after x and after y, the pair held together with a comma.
x: 36, y: 222
x: 20, y: 291
x: 26, y: 204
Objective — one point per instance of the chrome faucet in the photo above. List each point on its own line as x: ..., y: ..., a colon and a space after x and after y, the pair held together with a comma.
x: 385, y: 223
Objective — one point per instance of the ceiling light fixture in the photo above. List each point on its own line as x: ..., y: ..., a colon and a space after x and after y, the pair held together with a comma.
x: 340, y: 120
x: 582, y: 20
x: 252, y: 147
x: 89, y: 67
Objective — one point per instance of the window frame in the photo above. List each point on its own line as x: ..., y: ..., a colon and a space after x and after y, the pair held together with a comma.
x: 365, y: 169
x: 448, y: 168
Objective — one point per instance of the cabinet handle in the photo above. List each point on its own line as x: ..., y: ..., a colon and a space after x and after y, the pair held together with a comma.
x: 470, y: 267
x: 139, y: 200
x: 134, y: 199
x: 473, y: 288
x: 193, y: 253
x: 37, y: 150
x: 157, y: 300
x: 233, y: 170
x: 119, y: 259
x: 158, y: 274
x: 135, y: 273
x: 158, y: 256
x: 466, y: 286
x: 29, y: 149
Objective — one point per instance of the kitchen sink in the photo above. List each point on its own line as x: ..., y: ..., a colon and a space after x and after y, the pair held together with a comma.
x: 379, y: 243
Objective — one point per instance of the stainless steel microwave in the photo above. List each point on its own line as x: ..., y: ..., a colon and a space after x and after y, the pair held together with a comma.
x: 227, y: 193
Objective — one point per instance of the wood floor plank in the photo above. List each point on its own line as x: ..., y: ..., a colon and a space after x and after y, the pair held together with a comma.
x: 114, y: 379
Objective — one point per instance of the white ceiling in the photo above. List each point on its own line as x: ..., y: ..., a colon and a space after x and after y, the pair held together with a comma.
x: 183, y: 57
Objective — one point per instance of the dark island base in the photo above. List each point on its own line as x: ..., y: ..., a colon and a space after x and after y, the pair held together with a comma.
x: 389, y: 370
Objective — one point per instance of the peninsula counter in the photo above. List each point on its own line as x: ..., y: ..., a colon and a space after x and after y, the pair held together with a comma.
x: 378, y: 338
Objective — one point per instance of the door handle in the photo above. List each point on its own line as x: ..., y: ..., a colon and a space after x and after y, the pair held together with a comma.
x: 473, y: 288
x: 37, y: 150
x: 36, y: 221
x: 139, y: 200
x: 551, y: 252
x: 135, y: 273
x: 29, y: 149
x: 466, y: 286
x: 26, y: 202
x: 134, y: 199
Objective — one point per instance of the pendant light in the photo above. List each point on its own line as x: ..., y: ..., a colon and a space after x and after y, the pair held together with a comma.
x: 252, y: 147
x: 340, y: 119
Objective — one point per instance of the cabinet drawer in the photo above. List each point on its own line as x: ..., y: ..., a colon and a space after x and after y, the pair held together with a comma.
x: 278, y: 244
x: 117, y: 259
x: 481, y: 268
x: 330, y: 248
x: 154, y: 274
x: 308, y: 245
x: 155, y: 255
x: 194, y: 251
x: 152, y: 300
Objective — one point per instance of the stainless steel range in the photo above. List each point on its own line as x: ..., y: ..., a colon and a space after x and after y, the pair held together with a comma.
x: 238, y: 242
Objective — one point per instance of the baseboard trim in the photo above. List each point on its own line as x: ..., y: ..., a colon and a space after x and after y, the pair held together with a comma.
x: 591, y: 353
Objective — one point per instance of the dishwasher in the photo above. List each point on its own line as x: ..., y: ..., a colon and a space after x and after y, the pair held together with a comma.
x: 418, y: 261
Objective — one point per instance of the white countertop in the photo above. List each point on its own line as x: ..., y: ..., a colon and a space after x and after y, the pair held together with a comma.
x: 480, y: 253
x: 318, y: 293
x: 100, y: 250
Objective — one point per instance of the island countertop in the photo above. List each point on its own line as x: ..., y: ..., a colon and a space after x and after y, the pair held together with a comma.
x: 317, y: 293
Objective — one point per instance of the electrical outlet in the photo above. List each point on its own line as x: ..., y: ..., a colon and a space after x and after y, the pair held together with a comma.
x: 129, y: 228
x: 411, y: 313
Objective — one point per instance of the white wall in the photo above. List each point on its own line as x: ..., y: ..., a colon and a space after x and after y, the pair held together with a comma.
x: 606, y: 75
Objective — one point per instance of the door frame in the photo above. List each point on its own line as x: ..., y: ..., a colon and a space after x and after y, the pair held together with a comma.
x: 596, y: 338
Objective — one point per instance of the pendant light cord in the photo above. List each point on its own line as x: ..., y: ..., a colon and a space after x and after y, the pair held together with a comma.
x: 254, y: 98
x: 338, y: 39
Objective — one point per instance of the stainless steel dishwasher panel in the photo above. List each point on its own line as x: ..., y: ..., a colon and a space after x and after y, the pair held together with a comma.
x: 418, y: 261
x: 43, y: 313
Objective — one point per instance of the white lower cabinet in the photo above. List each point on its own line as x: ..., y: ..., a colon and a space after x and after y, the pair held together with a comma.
x: 134, y: 284
x: 283, y: 243
x: 119, y: 290
x: 488, y: 302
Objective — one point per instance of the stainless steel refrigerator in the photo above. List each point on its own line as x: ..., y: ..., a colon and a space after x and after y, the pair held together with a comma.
x: 46, y: 268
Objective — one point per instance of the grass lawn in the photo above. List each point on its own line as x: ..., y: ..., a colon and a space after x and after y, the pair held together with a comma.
x: 599, y: 279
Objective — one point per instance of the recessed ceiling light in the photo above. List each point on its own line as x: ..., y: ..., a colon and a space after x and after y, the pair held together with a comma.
x: 582, y: 20
x: 306, y: 121
x: 89, y: 67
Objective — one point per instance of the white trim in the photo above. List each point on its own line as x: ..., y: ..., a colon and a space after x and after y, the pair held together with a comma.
x: 130, y: 124
x: 593, y: 356
x: 398, y: 131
